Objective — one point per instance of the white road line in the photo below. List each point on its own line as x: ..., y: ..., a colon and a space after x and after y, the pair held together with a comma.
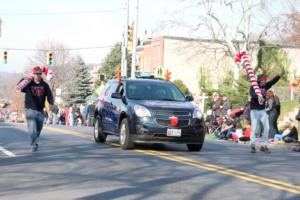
x: 8, y: 153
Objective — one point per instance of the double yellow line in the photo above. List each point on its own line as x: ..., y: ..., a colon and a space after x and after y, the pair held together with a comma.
x: 292, y: 188
x: 226, y: 171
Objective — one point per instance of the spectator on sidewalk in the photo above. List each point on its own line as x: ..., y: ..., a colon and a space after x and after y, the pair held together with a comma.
x: 298, y: 118
x: 91, y: 113
x: 227, y: 105
x: 66, y: 111
x: 84, y: 114
x: 290, y: 133
x: 71, y: 115
x: 272, y: 110
x: 278, y: 108
x: 61, y: 116
x: 246, y: 112
x: 55, y: 111
x: 45, y: 116
x: 217, y: 103
x: 77, y: 116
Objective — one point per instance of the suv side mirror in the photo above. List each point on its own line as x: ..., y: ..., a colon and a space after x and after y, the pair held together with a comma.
x: 189, y: 98
x: 116, y: 95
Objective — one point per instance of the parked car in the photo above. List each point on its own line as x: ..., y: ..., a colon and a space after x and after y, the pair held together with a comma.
x: 148, y: 111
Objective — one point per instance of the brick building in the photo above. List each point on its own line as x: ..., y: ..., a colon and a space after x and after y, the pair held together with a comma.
x: 191, y: 60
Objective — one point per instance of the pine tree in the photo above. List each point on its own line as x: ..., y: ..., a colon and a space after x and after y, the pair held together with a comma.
x: 78, y: 88
x: 271, y: 59
x: 111, y: 61
x: 83, y: 83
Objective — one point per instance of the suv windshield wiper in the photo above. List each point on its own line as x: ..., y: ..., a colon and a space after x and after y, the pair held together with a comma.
x: 168, y: 99
x: 137, y: 98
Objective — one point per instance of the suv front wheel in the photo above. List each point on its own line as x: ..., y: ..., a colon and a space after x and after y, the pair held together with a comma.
x: 125, y: 140
x: 99, y: 136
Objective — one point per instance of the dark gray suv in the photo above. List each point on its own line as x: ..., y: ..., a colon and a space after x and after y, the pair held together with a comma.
x: 148, y: 111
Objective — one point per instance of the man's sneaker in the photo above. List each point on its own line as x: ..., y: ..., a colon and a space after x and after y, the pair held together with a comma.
x: 253, y: 150
x: 35, y: 147
x: 264, y: 149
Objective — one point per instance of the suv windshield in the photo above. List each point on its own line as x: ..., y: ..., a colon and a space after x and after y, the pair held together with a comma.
x: 139, y: 90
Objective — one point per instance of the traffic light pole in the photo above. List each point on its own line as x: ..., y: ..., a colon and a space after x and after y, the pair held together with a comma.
x: 125, y: 42
x: 0, y: 27
x: 133, y: 61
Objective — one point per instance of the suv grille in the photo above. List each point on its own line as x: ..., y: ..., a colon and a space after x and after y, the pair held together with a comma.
x: 163, y: 117
x: 171, y: 113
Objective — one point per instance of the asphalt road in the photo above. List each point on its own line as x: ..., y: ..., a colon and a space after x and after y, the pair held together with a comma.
x: 70, y: 165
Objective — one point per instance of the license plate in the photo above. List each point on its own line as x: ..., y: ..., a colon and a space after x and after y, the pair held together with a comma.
x: 174, y: 132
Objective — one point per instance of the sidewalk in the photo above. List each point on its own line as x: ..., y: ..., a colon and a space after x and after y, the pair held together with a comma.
x: 277, y: 145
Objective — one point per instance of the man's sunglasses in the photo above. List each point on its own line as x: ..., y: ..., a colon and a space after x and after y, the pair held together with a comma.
x: 38, y: 73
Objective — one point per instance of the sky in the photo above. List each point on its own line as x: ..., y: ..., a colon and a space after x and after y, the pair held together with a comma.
x: 74, y: 23
x: 96, y: 23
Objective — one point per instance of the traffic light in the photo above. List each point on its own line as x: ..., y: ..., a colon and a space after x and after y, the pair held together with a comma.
x: 130, y: 38
x: 49, y: 59
x: 167, y: 75
x: 130, y: 32
x: 5, y: 57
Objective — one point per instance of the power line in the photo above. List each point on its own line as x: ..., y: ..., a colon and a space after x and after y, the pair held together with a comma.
x: 66, y: 49
x: 62, y: 13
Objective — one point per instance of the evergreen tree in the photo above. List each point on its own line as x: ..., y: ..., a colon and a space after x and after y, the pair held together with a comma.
x: 111, y: 61
x: 238, y: 95
x: 78, y: 88
x: 83, y: 82
x: 204, y: 78
x: 271, y: 59
x: 68, y: 90
x: 182, y: 87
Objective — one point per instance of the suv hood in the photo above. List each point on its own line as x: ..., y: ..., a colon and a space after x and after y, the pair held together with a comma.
x: 174, y: 105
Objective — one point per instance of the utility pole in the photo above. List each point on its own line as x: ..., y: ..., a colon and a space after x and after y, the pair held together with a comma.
x: 0, y: 27
x: 125, y: 42
x: 133, y: 61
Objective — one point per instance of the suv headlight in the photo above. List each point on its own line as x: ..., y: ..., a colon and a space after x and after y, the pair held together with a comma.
x: 197, y: 113
x: 141, y: 111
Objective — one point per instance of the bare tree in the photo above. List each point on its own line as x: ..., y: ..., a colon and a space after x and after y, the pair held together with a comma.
x: 235, y: 25
x: 62, y: 60
x: 16, y: 101
x: 292, y: 29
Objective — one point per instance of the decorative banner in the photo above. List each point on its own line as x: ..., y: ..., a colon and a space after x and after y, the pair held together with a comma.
x: 243, y: 58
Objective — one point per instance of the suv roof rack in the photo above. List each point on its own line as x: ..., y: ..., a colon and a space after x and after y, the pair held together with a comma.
x: 144, y: 75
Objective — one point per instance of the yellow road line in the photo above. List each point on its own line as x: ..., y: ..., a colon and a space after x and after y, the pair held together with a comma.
x: 242, y: 175
x: 218, y: 169
x: 231, y: 170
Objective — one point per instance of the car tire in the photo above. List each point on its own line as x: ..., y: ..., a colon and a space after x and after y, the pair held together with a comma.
x: 125, y: 141
x: 194, y: 147
x: 99, y: 135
